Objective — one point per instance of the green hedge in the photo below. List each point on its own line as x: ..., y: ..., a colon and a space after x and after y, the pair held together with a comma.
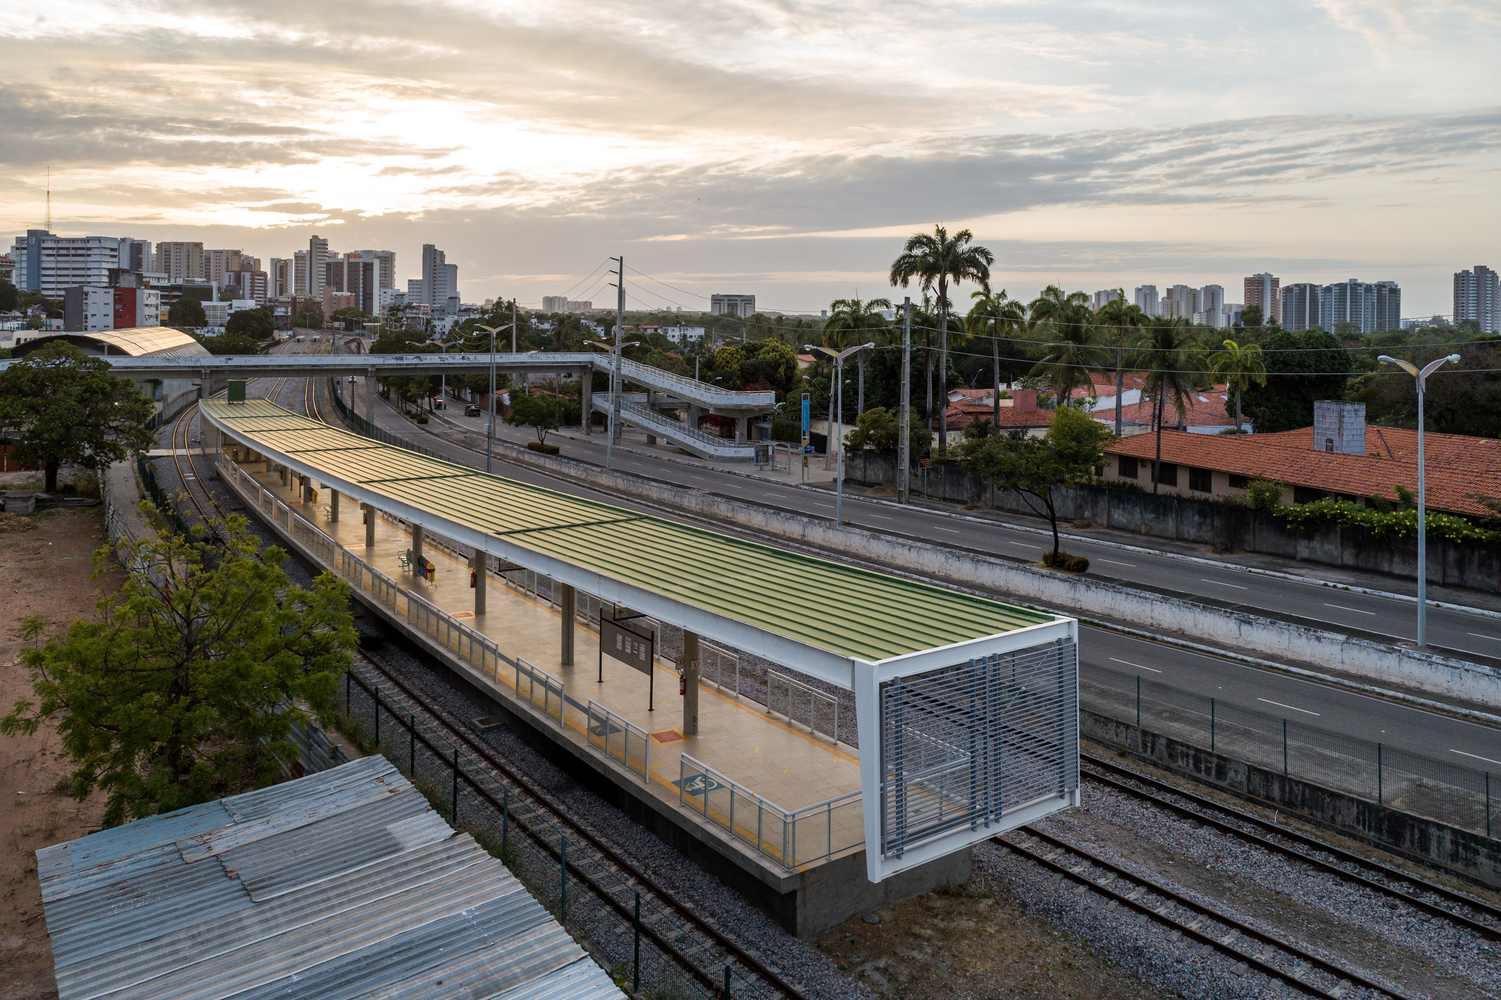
x: 1403, y: 523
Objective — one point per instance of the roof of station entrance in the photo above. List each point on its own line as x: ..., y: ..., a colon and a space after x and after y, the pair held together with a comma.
x: 841, y: 609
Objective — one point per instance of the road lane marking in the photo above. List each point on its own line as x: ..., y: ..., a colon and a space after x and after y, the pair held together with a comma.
x: 1223, y: 584
x: 1475, y: 755
x: 1138, y: 666
x: 881, y: 517
x: 1290, y: 708
x: 1481, y: 635
x: 1115, y: 563
x: 1341, y: 607
x: 699, y: 478
x: 952, y: 531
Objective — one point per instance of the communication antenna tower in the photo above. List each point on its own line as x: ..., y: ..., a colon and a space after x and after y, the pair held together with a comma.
x: 47, y: 225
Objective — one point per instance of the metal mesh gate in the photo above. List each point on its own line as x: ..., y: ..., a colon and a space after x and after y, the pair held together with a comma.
x: 963, y: 746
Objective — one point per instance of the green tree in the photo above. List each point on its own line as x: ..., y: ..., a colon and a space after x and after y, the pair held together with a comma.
x: 1301, y: 367
x: 257, y: 324
x: 63, y: 405
x: 852, y: 322
x: 1165, y: 352
x: 541, y: 413
x: 1251, y: 317
x: 187, y: 314
x: 231, y: 343
x: 1071, y: 352
x: 879, y: 430
x: 1122, y: 318
x: 310, y: 318
x: 10, y: 296
x: 1460, y: 399
x: 1239, y: 366
x: 935, y: 260
x: 1035, y: 468
x: 999, y: 317
x: 187, y: 684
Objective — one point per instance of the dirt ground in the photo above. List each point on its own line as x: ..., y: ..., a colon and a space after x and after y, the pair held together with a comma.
x: 973, y: 941
x: 48, y: 572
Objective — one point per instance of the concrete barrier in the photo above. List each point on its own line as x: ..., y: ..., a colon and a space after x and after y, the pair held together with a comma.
x: 1417, y: 836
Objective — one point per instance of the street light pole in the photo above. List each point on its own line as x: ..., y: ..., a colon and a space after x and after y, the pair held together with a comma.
x: 617, y: 350
x: 1422, y: 380
x: 490, y: 431
x: 838, y: 439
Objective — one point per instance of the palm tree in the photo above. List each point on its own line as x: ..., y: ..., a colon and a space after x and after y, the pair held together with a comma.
x: 935, y: 261
x: 1165, y: 351
x: 1239, y: 367
x: 1071, y: 351
x: 1000, y: 316
x: 1120, y: 316
x: 854, y: 322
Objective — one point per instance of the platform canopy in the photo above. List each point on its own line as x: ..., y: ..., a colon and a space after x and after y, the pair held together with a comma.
x: 855, y: 628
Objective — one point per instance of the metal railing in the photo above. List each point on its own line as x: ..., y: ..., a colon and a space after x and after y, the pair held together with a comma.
x: 799, y: 702
x: 541, y: 689
x: 719, y: 667
x: 789, y: 837
x: 1448, y: 791
x: 618, y: 738
x: 467, y: 644
x: 703, y: 392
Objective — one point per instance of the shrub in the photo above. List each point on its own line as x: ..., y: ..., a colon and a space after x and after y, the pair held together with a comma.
x: 546, y: 449
x: 1449, y: 527
x: 1064, y: 561
x: 1265, y: 494
x: 787, y: 430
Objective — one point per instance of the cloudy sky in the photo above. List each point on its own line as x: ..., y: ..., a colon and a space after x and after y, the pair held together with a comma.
x: 781, y: 147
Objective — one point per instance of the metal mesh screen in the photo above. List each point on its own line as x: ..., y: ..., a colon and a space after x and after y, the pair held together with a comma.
x: 963, y: 746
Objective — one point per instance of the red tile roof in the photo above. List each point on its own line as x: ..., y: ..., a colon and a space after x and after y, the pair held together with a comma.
x: 963, y: 414
x: 1401, y: 445
x: 1291, y: 458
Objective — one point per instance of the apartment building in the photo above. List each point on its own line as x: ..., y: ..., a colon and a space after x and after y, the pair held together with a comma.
x: 1477, y: 297
x: 49, y: 264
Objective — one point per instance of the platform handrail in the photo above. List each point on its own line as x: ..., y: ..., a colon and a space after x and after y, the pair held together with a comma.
x: 705, y: 392
x: 550, y: 693
x: 604, y: 724
x: 711, y: 666
x: 772, y: 831
x: 798, y: 693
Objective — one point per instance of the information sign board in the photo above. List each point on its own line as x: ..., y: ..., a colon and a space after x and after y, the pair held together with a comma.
x: 807, y: 405
x: 626, y: 644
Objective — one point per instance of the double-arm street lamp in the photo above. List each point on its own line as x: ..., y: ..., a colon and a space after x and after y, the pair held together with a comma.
x: 490, y: 431
x: 617, y: 350
x: 1422, y: 379
x: 839, y: 357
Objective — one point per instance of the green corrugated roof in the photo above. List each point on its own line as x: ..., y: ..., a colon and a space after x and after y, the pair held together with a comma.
x: 838, y: 608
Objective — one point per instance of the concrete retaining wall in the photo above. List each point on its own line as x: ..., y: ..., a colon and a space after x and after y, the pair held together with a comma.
x: 1205, y: 522
x: 1417, y: 836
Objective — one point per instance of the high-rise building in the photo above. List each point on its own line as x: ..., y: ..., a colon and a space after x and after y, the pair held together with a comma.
x: 218, y: 263
x: 1180, y: 302
x: 1478, y: 297
x: 181, y: 262
x: 48, y: 264
x: 136, y: 255
x: 279, y: 278
x: 439, y: 286
x: 554, y: 303
x: 740, y: 305
x: 357, y: 275
x: 1146, y: 299
x: 317, y: 257
x: 249, y: 285
x: 1264, y: 290
x: 1212, y: 307
x: 1388, y: 306
x: 385, y: 276
x: 1300, y: 306
x: 1098, y: 299
x: 299, y: 273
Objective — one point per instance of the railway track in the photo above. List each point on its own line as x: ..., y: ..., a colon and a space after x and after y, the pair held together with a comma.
x: 1272, y: 954
x: 1432, y: 898
x: 698, y: 947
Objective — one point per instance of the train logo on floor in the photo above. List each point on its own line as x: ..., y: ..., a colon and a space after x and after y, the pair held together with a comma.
x: 698, y: 784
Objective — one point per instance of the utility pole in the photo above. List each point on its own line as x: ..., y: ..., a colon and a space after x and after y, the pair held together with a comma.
x: 904, y: 420
x: 513, y: 326
x: 490, y: 432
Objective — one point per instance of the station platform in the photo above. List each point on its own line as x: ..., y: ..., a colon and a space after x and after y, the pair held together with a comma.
x: 754, y: 755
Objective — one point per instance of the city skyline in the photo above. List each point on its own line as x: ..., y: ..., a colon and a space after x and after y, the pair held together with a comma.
x: 1130, y: 155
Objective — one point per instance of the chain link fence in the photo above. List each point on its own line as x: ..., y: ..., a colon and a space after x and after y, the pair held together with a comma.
x: 1449, y: 791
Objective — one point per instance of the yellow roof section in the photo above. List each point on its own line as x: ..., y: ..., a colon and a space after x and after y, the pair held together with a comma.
x: 818, y: 602
x: 142, y: 340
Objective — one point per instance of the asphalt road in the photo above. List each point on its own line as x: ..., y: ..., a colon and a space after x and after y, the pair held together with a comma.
x: 1108, y: 660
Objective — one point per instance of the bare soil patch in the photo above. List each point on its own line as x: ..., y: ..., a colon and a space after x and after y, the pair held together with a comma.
x: 47, y: 572
x: 974, y: 941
